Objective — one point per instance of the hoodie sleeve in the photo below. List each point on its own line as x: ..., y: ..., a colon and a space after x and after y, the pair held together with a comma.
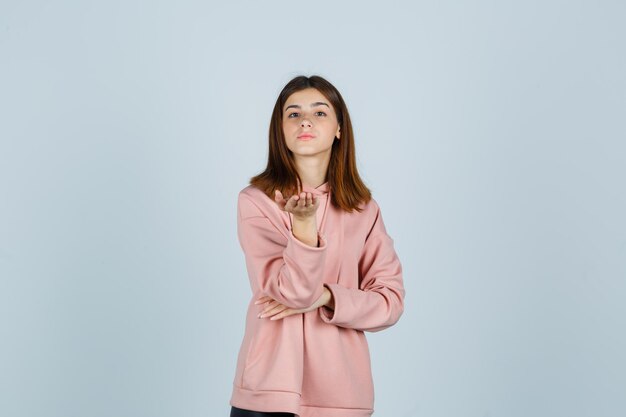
x: 290, y: 273
x: 378, y: 303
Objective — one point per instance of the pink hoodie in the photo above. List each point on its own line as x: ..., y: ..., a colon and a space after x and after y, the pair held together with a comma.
x: 314, y: 364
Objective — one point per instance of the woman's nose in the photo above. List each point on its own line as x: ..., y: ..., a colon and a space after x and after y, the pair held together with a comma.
x: 305, y: 122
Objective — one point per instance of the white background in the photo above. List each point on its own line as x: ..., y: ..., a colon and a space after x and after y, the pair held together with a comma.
x: 491, y: 133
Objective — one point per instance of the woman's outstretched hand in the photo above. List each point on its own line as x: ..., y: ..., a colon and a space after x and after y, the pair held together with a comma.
x: 302, y: 206
x: 277, y: 310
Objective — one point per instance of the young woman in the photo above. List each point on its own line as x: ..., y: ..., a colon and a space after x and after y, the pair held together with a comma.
x: 322, y: 268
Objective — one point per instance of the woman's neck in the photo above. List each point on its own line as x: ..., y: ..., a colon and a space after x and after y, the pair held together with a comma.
x: 312, y: 171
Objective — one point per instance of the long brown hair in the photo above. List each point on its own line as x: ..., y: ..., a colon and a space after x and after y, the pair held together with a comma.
x: 347, y: 189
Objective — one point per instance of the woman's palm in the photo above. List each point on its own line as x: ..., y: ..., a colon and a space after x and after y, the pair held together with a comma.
x: 302, y: 206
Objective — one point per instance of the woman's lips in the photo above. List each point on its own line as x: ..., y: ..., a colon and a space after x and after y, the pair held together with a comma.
x: 306, y: 137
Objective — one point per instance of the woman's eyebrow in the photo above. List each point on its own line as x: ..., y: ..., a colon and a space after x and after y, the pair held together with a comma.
x: 317, y: 103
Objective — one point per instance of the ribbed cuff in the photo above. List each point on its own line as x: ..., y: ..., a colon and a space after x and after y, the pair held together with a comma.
x: 328, y: 314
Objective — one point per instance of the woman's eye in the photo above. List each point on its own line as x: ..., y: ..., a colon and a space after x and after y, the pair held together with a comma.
x: 299, y: 113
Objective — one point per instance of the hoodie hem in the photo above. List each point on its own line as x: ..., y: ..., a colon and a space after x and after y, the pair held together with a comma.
x: 312, y: 411
x: 288, y: 402
x: 266, y: 401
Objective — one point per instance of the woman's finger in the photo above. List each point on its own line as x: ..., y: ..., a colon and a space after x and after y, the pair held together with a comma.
x: 284, y: 313
x: 292, y: 202
x: 273, y: 311
x: 263, y: 299
x: 273, y: 304
x: 279, y: 199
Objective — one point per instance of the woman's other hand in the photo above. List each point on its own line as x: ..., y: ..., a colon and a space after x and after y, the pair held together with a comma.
x: 277, y: 310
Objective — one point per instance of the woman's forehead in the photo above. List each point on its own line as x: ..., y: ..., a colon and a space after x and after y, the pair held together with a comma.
x: 306, y: 95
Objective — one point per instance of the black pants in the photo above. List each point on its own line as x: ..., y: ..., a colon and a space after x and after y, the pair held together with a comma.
x: 240, y: 412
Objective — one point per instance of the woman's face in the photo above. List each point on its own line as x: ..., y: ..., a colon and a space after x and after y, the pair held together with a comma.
x: 309, y: 112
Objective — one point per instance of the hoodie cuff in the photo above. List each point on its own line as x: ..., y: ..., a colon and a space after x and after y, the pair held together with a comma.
x: 327, y: 314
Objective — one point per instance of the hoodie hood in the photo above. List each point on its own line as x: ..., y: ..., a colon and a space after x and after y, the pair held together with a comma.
x: 321, y: 190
